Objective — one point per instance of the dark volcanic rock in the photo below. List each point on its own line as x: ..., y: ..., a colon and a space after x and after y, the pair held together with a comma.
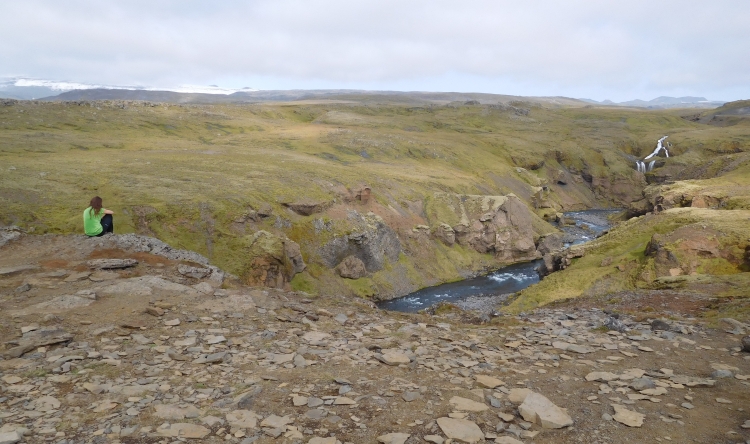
x: 373, y: 242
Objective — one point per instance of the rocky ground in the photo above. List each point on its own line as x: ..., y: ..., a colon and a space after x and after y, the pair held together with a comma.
x: 123, y: 339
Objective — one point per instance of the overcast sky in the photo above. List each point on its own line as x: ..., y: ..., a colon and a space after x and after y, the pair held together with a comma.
x: 597, y: 49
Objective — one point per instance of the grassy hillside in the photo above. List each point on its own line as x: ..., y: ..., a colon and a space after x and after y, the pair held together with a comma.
x: 188, y: 173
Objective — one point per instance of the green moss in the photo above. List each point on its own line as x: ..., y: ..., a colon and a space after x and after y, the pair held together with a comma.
x: 362, y: 287
x: 304, y: 282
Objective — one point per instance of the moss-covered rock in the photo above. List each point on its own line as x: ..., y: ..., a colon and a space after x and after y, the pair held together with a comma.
x: 272, y: 261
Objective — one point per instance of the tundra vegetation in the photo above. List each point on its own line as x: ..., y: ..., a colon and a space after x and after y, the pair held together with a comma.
x: 374, y: 198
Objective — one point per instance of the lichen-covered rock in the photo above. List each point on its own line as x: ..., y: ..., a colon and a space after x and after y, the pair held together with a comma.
x: 691, y: 248
x: 273, y: 260
x: 445, y: 234
x: 351, y: 268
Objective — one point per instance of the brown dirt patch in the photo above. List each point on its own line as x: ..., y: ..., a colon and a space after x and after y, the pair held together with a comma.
x: 54, y: 263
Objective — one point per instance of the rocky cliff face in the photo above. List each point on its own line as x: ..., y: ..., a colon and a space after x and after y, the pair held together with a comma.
x: 371, y: 241
x: 499, y: 225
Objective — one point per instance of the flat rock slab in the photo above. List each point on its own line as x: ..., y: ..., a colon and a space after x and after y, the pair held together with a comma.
x: 319, y: 440
x: 538, y: 409
x: 461, y: 429
x: 184, y: 430
x: 315, y: 336
x: 467, y: 405
x: 628, y: 417
x: 145, y: 286
x: 111, y: 264
x: 507, y: 440
x: 277, y: 422
x: 393, y: 438
x: 100, y: 276
x: 488, y: 381
x: 602, y: 376
x: 60, y: 303
x: 243, y: 419
x: 176, y: 413
x: 394, y: 358
x: 9, y: 271
x: 38, y: 338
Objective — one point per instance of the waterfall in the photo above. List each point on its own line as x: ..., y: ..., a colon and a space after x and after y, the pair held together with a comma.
x: 641, y: 166
x: 659, y: 147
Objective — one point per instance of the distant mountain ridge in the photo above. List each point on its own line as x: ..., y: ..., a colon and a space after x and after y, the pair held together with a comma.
x: 664, y: 102
x: 30, y: 89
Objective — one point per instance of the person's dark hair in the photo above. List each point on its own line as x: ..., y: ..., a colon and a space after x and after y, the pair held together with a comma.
x: 96, y: 204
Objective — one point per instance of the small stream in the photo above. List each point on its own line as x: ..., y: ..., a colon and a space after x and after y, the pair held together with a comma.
x: 588, y: 225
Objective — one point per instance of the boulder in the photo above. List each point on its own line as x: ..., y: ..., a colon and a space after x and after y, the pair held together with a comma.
x: 549, y: 243
x: 538, y: 409
x: 445, y: 234
x: 193, y: 272
x: 746, y: 344
x: 8, y: 234
x: 394, y: 358
x: 351, y: 268
x: 363, y: 194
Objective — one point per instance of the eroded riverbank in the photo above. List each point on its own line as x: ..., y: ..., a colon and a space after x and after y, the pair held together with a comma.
x: 484, y: 292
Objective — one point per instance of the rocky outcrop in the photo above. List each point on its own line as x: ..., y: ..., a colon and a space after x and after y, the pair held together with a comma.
x: 273, y: 260
x: 138, y: 243
x: 371, y: 241
x: 308, y: 207
x: 687, y: 249
x: 658, y: 198
x: 8, y: 234
x: 499, y: 225
x: 445, y: 234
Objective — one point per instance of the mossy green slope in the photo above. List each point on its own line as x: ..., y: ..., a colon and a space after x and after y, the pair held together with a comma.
x: 186, y: 173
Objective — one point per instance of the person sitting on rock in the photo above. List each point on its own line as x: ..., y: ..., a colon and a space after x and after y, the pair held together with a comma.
x: 97, y: 221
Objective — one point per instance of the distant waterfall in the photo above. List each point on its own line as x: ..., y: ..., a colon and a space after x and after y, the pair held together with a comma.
x: 641, y: 166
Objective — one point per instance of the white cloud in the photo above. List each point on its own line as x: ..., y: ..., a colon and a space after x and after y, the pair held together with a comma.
x: 598, y: 49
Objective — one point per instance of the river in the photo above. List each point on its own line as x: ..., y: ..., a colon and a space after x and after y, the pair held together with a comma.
x: 588, y: 225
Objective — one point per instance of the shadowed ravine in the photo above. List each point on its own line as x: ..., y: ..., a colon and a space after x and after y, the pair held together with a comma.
x: 588, y: 225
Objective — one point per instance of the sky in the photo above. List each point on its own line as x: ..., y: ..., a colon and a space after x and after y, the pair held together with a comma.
x: 597, y: 49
